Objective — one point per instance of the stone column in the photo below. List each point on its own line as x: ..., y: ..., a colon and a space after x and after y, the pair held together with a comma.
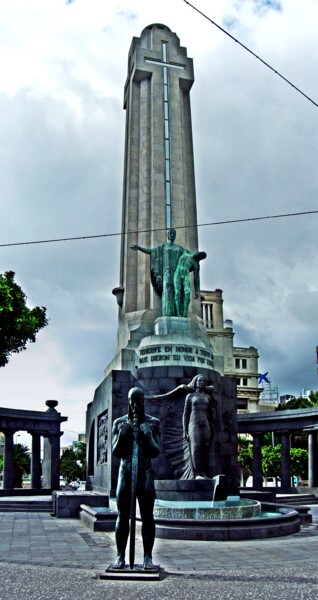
x: 257, y: 461
x: 285, y: 461
x: 51, y: 461
x: 36, y: 461
x: 55, y: 461
x: 312, y: 459
x: 8, y: 460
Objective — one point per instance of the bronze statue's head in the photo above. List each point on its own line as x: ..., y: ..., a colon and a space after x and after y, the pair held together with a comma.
x: 136, y: 404
x: 199, y: 256
x: 171, y: 235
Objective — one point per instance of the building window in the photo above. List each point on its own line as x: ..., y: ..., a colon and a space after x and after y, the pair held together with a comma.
x: 242, y: 404
x: 241, y: 363
x: 238, y: 381
x: 245, y: 381
x: 207, y: 314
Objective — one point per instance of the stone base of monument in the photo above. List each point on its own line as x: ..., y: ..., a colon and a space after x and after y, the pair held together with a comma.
x: 66, y: 505
x: 137, y: 573
x: 176, y: 341
x: 98, y: 518
x: 111, y: 402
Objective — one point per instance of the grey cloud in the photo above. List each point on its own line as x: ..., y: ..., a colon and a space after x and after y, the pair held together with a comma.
x: 65, y: 181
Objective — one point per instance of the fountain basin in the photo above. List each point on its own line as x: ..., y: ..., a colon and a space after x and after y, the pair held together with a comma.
x: 270, y: 523
x: 191, y: 509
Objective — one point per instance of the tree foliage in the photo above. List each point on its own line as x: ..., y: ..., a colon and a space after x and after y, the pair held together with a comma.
x: 18, y: 323
x: 73, y: 463
x: 271, y: 458
x: 21, y: 464
x: 80, y: 451
x: 271, y: 461
x: 299, y: 462
x: 300, y: 402
x: 245, y: 454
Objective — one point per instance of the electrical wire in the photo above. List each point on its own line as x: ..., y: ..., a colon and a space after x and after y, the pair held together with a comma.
x: 105, y: 235
x: 253, y: 53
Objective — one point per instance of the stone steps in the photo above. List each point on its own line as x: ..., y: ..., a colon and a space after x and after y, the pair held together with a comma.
x: 293, y: 499
x: 26, y: 506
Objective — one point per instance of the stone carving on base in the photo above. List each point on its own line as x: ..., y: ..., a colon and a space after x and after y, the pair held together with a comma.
x: 170, y: 267
x: 102, y: 429
x: 135, y: 440
x: 189, y: 438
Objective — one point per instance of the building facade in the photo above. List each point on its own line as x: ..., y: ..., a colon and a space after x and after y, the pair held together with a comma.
x: 241, y: 363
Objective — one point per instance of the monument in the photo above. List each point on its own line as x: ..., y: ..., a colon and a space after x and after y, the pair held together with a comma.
x: 162, y: 345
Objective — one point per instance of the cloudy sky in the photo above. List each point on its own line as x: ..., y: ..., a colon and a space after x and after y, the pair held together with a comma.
x: 62, y: 72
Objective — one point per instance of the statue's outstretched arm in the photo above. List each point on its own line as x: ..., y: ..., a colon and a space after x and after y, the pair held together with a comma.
x: 141, y: 248
x: 183, y: 386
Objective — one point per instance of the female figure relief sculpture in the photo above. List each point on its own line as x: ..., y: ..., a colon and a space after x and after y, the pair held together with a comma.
x: 199, y: 418
x: 190, y: 428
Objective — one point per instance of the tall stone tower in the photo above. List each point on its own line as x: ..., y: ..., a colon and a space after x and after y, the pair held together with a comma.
x: 162, y: 341
x: 159, y: 185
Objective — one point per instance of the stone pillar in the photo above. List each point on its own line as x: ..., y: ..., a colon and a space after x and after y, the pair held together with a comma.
x: 51, y: 461
x: 285, y: 462
x: 257, y: 461
x: 312, y: 459
x: 36, y: 461
x: 8, y: 460
x: 55, y: 460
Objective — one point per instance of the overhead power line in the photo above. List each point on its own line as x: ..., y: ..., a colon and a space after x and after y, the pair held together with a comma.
x: 253, y: 53
x: 105, y: 235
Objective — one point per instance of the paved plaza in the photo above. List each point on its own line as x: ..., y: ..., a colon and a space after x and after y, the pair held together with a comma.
x: 47, y: 558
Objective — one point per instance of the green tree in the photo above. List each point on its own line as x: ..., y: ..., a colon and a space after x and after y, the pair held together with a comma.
x: 21, y: 464
x: 18, y: 323
x: 244, y: 458
x: 271, y: 461
x: 80, y: 451
x: 314, y: 398
x: 299, y: 462
x: 300, y: 402
x: 69, y: 467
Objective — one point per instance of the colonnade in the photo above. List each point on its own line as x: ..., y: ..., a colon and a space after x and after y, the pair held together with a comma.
x: 51, y: 460
x: 38, y: 424
x: 285, y: 459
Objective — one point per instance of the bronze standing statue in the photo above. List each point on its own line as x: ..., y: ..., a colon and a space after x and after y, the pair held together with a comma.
x: 163, y: 263
x: 167, y: 260
x: 135, y: 440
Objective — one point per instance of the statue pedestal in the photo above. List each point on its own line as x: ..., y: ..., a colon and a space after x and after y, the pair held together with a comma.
x: 180, y: 490
x: 184, y: 489
x: 177, y: 341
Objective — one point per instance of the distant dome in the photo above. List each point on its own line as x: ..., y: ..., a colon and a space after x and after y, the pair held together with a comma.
x: 159, y: 25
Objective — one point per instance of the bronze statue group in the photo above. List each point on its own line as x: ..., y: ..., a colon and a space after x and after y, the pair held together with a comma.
x: 170, y: 267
